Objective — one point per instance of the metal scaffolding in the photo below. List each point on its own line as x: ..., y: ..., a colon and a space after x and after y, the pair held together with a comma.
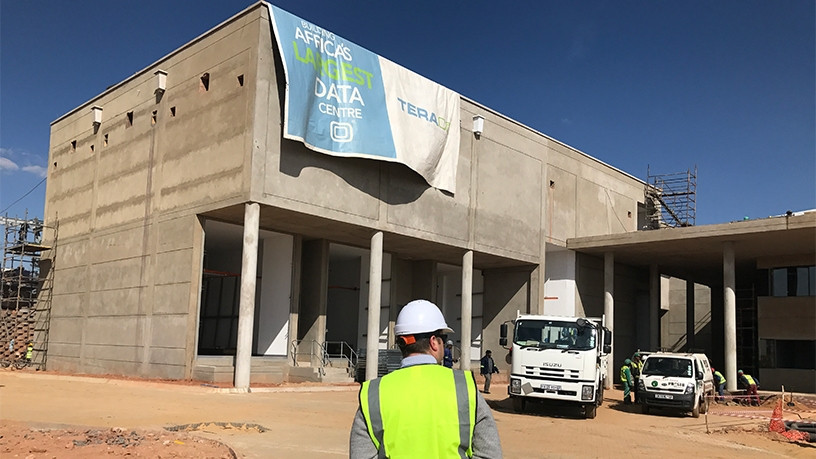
x: 26, y: 279
x: 671, y: 199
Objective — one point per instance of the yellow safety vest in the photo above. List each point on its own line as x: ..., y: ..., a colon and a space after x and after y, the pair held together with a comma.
x: 719, y: 377
x: 625, y: 373
x: 426, y: 411
x: 749, y: 379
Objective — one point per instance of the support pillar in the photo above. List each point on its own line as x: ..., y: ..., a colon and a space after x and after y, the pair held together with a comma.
x: 467, y: 309
x: 246, y: 311
x: 609, y: 312
x: 691, y: 334
x: 730, y: 309
x: 374, y: 292
x: 654, y: 307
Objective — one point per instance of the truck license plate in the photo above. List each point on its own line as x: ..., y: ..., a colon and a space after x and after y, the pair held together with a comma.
x: 550, y: 387
x: 666, y: 396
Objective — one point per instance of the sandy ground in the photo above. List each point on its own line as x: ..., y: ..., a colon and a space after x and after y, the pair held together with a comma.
x: 45, y: 415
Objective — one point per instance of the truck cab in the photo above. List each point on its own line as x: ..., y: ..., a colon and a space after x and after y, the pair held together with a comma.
x: 557, y: 358
x: 676, y: 381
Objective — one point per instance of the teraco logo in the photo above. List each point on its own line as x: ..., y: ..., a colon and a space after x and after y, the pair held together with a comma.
x: 424, y: 114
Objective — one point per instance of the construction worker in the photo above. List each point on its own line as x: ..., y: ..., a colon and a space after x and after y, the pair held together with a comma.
x: 626, y: 379
x: 637, y: 366
x: 29, y: 352
x: 448, y: 359
x: 719, y: 381
x: 423, y: 409
x: 750, y: 383
x: 487, y: 367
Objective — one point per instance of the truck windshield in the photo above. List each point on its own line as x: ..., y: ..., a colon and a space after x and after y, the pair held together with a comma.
x: 551, y: 334
x: 667, y: 366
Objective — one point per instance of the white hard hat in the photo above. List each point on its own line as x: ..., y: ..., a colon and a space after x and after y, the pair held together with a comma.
x: 420, y: 316
x: 449, y: 343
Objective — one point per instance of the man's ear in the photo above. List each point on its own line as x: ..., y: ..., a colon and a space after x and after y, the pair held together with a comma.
x: 435, y: 344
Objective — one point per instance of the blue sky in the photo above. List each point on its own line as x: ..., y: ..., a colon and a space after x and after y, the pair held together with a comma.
x: 727, y: 86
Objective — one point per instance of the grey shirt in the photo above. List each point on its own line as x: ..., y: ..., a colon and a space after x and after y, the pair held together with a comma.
x: 486, y: 443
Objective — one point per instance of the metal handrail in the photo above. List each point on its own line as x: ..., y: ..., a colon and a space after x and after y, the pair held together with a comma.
x: 345, y: 353
x: 320, y: 356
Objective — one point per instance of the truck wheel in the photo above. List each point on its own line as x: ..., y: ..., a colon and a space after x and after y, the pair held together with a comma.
x: 644, y: 408
x: 600, y: 394
x: 518, y: 404
x: 590, y: 410
x: 695, y: 412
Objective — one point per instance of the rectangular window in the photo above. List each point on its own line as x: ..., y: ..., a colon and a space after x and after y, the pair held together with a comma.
x: 787, y: 353
x: 802, y: 281
x: 779, y: 282
x: 793, y: 281
x: 812, y: 280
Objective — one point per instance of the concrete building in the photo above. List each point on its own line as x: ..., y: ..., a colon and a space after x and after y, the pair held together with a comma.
x: 196, y: 241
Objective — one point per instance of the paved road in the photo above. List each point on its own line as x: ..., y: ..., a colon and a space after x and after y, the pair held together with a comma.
x: 309, y: 422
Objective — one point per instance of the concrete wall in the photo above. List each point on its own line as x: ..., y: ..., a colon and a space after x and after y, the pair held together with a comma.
x: 125, y: 196
x: 501, y: 199
x: 631, y: 295
x: 791, y: 317
x: 674, y: 335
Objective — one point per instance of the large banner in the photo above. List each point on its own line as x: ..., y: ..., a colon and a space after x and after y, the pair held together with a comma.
x: 344, y: 100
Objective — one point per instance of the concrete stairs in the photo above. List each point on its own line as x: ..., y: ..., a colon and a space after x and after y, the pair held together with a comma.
x: 269, y: 370
x: 220, y: 369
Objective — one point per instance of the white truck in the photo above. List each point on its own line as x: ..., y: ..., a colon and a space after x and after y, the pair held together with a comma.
x: 677, y: 381
x: 557, y: 358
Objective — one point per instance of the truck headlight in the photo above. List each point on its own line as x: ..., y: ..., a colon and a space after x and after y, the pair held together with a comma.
x: 690, y: 388
x: 515, y: 386
x: 641, y: 385
x: 587, y: 392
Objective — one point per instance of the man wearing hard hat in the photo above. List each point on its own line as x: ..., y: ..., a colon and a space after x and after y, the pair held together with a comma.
x: 423, y: 409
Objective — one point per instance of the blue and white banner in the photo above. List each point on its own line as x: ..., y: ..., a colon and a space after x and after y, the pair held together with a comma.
x: 344, y: 100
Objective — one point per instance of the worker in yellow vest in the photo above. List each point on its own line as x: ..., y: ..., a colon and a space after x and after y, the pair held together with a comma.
x: 750, y: 383
x: 423, y: 409
x: 719, y: 381
x: 29, y: 352
x: 627, y: 381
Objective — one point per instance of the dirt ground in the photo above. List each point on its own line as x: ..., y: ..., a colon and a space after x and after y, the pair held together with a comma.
x: 46, y: 415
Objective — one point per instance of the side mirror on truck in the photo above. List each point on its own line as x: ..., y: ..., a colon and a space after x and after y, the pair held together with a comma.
x: 503, y: 334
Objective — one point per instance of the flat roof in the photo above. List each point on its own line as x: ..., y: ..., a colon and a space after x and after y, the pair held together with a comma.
x: 696, y: 252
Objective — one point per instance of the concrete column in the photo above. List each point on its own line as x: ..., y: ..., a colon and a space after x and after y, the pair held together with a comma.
x: 730, y: 309
x: 654, y: 307
x: 246, y: 311
x: 374, y: 289
x: 609, y: 311
x: 467, y: 309
x: 691, y: 320
x: 294, y: 302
